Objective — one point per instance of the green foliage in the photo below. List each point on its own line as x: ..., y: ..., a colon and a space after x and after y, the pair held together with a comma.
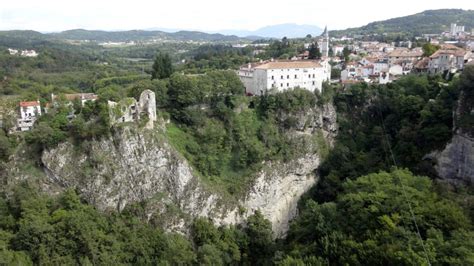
x: 226, y: 146
x: 217, y: 246
x: 261, y: 245
x: 36, y: 229
x: 162, y: 67
x: 216, y: 57
x: 6, y: 146
x: 413, y: 115
x: 370, y: 223
x: 464, y: 120
x: 429, y: 49
x: 426, y: 22
x: 314, y: 52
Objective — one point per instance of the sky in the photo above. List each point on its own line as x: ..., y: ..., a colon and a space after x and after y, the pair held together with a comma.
x: 204, y: 15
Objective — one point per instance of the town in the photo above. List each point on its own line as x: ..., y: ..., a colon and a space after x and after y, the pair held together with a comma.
x: 323, y: 59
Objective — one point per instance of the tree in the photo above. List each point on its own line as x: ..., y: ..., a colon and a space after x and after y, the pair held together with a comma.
x: 371, y: 223
x: 346, y: 52
x: 314, y: 52
x: 429, y: 49
x: 162, y: 67
x: 261, y: 245
x: 6, y: 147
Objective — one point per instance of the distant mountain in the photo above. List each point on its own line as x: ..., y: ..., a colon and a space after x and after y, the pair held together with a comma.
x: 429, y: 22
x: 141, y: 35
x: 279, y: 31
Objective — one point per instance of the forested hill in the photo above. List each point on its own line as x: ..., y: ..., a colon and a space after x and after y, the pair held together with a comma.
x: 121, y: 36
x: 140, y: 35
x: 426, y: 22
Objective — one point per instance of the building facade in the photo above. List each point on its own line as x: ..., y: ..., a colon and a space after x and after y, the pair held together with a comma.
x: 449, y: 58
x: 279, y: 76
x: 29, y: 113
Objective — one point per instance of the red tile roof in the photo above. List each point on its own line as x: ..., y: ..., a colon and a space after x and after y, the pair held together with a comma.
x: 31, y: 103
x: 290, y: 64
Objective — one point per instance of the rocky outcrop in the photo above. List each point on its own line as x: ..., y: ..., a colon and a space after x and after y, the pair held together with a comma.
x: 455, y: 164
x: 139, y: 165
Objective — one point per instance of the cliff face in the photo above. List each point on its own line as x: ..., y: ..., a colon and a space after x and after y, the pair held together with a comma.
x: 455, y: 163
x: 139, y: 165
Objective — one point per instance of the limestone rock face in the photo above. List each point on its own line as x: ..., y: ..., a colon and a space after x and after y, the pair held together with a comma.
x: 456, y: 162
x: 139, y: 165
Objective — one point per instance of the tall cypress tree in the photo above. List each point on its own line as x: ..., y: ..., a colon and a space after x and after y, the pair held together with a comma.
x: 162, y: 67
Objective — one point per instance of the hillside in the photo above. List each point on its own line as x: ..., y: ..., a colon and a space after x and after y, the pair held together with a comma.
x: 426, y: 22
x: 27, y: 37
x: 141, y: 35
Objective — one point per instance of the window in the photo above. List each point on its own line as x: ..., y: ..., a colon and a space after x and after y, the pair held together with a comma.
x: 288, y: 84
x: 296, y: 76
x: 281, y: 76
x: 287, y: 76
x: 281, y: 84
x: 314, y: 83
x: 273, y: 77
x: 313, y: 75
x: 309, y: 75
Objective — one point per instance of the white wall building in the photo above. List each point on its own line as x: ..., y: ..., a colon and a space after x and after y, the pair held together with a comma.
x: 283, y: 75
x: 29, y: 112
x: 381, y: 66
x: 337, y: 50
x: 451, y: 59
x: 455, y: 29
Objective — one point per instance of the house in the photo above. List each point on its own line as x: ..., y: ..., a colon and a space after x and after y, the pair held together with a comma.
x: 381, y: 65
x: 28, y: 114
x: 449, y: 58
x: 396, y: 70
x: 404, y: 56
x: 282, y: 75
x: 384, y: 78
x: 12, y: 51
x: 422, y: 65
x: 29, y: 53
x: 131, y: 110
x: 337, y: 50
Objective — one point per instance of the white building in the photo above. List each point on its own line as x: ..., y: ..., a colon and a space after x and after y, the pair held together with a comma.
x: 455, y: 29
x: 29, y: 53
x: 337, y: 50
x: 450, y: 58
x: 283, y: 75
x: 396, y: 70
x: 29, y: 112
x: 381, y: 66
x: 12, y: 51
